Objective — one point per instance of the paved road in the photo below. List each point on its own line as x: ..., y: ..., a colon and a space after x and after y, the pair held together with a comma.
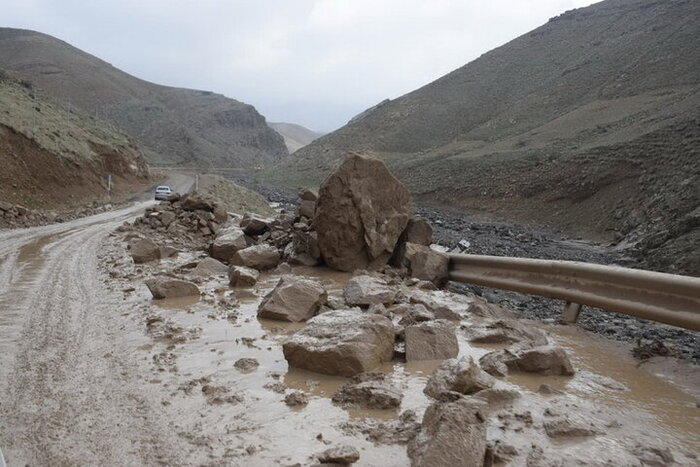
x: 68, y: 394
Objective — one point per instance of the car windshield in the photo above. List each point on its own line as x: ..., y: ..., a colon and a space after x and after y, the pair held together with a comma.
x: 163, y: 188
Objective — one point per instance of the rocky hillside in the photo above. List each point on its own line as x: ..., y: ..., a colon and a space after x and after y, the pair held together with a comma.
x: 174, y: 126
x: 588, y: 123
x: 51, y: 156
x: 295, y: 136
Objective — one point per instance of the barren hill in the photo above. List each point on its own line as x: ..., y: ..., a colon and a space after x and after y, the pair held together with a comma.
x: 173, y: 125
x: 590, y: 123
x: 295, y: 136
x: 52, y: 156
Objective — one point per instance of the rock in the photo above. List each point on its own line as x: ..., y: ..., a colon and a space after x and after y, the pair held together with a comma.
x: 168, y: 252
x: 241, y: 276
x: 228, y: 241
x: 252, y: 224
x: 369, y: 391
x: 293, y: 299
x: 209, y: 267
x: 494, y: 396
x: 341, y: 342
x: 165, y: 287
x: 343, y: 455
x: 548, y: 390
x: 367, y: 290
x: 308, y: 195
x: 561, y: 427
x: 424, y: 263
x: 260, y: 257
x: 461, y: 376
x: 418, y: 231
x: 296, y: 398
x: 545, y: 360
x: 307, y: 208
x: 283, y: 268
x: 167, y: 217
x: 304, y: 248
x: 653, y: 455
x: 452, y: 434
x: 246, y: 365
x: 432, y: 340
x: 143, y: 250
x: 509, y: 331
x: 360, y: 213
x: 413, y: 313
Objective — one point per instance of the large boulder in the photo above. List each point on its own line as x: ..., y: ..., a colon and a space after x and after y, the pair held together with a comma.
x: 431, y: 340
x: 252, y: 224
x: 424, y: 263
x: 227, y: 242
x: 293, y: 299
x: 143, y: 250
x: 260, y: 257
x: 545, y: 360
x: 452, y: 434
x: 166, y: 287
x: 418, y: 231
x: 341, y: 342
x: 366, y: 290
x: 456, y: 377
x: 361, y: 211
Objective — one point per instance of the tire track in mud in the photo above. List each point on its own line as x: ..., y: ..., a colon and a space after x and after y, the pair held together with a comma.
x: 70, y: 393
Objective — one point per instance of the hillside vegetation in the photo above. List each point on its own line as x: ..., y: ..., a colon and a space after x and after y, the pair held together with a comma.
x: 52, y: 156
x: 174, y: 126
x: 590, y: 123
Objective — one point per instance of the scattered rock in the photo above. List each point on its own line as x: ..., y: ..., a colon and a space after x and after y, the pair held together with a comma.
x: 418, y: 231
x: 424, y: 263
x: 509, y: 331
x: 260, y: 257
x: 366, y: 290
x: 143, y: 250
x: 246, y: 365
x: 296, y: 398
x: 456, y: 377
x: 341, y: 342
x: 369, y: 391
x: 361, y: 211
x: 227, y: 242
x: 564, y: 426
x: 545, y: 360
x: 210, y: 267
x: 293, y: 299
x: 165, y: 287
x: 308, y: 195
x: 432, y: 340
x: 252, y: 224
x: 343, y: 455
x: 452, y: 434
x: 241, y: 276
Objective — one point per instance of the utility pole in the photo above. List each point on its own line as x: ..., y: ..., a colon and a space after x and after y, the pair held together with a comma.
x: 109, y: 188
x: 34, y: 113
x: 196, y: 182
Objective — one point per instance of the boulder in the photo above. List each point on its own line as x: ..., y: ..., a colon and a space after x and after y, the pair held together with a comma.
x: 307, y: 208
x: 241, y: 276
x: 457, y: 376
x: 361, y: 211
x: 308, y: 195
x: 452, y: 434
x: 341, y: 342
x: 424, y: 263
x: 167, y: 217
x: 252, y: 224
x: 431, y: 340
x: 367, y: 290
x: 418, y: 231
x: 508, y: 331
x: 228, y: 241
x: 210, y: 267
x: 304, y: 248
x: 143, y: 250
x: 166, y: 287
x: 339, y: 455
x: 412, y: 313
x: 369, y: 391
x: 260, y: 257
x: 545, y: 360
x: 293, y: 299
x: 296, y: 399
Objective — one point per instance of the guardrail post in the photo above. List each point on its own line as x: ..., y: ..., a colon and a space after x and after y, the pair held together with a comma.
x: 571, y: 312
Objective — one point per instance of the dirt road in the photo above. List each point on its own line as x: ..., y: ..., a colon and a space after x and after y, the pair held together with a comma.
x: 69, y: 393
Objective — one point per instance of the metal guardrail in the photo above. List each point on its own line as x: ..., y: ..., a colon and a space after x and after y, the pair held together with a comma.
x: 667, y: 298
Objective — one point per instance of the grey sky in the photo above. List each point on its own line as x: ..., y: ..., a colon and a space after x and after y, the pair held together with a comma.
x: 313, y: 62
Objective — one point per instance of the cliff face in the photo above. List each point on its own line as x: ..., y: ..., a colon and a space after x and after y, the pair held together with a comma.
x: 174, y: 126
x: 588, y: 124
x: 52, y: 156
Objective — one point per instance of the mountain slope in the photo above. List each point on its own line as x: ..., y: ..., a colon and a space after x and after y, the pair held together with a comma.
x: 588, y: 123
x: 295, y: 136
x: 51, y: 156
x: 173, y: 125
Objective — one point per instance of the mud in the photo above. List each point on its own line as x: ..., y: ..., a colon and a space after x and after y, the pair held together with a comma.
x: 84, y: 382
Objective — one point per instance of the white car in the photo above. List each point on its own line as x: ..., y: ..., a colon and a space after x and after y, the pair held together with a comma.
x: 162, y: 192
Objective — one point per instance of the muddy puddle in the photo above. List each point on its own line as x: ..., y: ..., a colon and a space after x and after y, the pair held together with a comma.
x: 248, y: 422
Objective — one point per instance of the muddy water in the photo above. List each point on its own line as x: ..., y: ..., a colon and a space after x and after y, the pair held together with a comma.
x: 260, y: 429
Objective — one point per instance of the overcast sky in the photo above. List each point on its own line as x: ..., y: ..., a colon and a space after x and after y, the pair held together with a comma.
x: 313, y: 62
